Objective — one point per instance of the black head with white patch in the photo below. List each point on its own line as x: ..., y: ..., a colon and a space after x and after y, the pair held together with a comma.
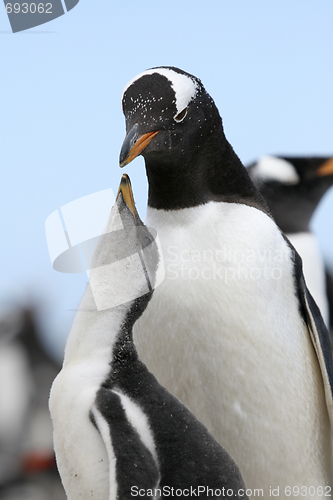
x: 173, y: 122
x: 292, y: 187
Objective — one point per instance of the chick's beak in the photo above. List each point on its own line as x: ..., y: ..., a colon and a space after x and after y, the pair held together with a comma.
x: 125, y: 189
x: 134, y: 144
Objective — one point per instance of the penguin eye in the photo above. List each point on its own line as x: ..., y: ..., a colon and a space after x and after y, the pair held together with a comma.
x: 148, y: 241
x: 180, y: 116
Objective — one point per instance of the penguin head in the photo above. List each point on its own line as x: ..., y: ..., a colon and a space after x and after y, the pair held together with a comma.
x: 124, y: 264
x: 292, y: 187
x: 292, y: 171
x: 167, y: 112
x: 140, y: 238
x: 174, y: 124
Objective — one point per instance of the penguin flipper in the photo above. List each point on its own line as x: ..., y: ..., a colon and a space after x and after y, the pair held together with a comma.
x: 319, y: 333
x: 329, y: 293
x: 131, y: 464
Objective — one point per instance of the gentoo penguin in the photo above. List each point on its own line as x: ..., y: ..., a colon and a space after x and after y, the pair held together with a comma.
x: 118, y: 434
x: 293, y: 187
x: 232, y: 330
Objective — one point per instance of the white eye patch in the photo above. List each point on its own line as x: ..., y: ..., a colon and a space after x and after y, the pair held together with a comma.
x: 179, y: 117
x: 270, y: 168
x: 185, y: 87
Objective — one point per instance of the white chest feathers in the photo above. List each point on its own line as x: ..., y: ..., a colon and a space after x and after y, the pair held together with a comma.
x: 85, y: 463
x: 224, y: 334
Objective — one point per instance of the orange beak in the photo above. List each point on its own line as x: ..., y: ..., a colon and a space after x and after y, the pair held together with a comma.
x: 326, y: 168
x: 125, y: 189
x: 134, y: 144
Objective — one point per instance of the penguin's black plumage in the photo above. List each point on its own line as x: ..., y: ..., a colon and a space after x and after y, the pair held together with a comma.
x: 150, y: 106
x: 117, y: 432
x: 232, y: 330
x: 293, y: 188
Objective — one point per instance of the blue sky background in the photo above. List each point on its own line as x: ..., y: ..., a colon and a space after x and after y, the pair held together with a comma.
x: 267, y: 65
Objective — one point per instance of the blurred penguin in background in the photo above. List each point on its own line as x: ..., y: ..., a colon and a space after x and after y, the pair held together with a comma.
x: 27, y: 462
x: 293, y: 188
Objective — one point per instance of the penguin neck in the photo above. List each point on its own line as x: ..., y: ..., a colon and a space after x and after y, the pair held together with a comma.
x: 293, y: 206
x: 100, y: 338
x: 125, y: 358
x: 92, y: 331
x: 211, y: 172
